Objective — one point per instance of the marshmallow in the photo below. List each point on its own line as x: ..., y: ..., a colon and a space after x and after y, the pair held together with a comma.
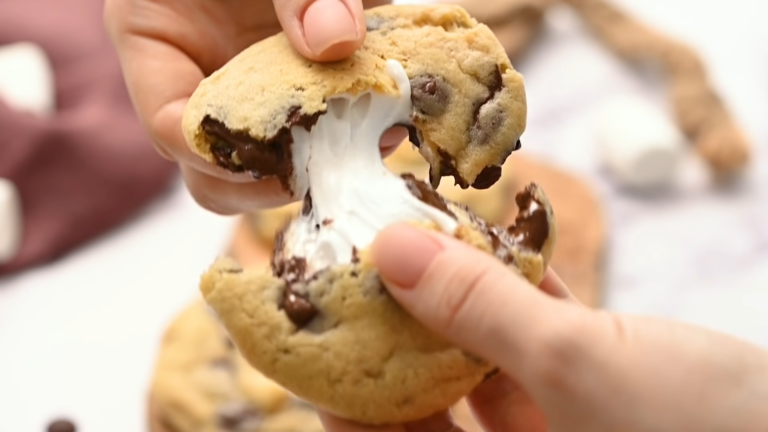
x: 10, y: 221
x: 639, y: 143
x: 26, y: 81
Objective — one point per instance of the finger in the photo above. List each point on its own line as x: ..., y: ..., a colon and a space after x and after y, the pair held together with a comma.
x: 324, y: 30
x: 554, y: 286
x: 501, y: 405
x: 483, y: 307
x: 438, y: 422
x: 392, y: 139
x: 228, y: 198
x: 331, y: 423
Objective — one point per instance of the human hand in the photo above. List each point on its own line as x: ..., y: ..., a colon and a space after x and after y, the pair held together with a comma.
x: 167, y: 47
x: 565, y: 367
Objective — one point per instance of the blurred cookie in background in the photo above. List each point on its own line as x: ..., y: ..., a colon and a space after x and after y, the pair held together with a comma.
x: 202, y: 384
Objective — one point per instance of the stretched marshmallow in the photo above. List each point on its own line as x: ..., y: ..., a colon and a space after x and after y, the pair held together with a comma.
x: 10, y: 221
x: 639, y: 143
x: 26, y: 81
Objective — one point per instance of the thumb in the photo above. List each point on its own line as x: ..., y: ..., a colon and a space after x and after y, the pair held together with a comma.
x: 464, y: 294
x: 322, y: 30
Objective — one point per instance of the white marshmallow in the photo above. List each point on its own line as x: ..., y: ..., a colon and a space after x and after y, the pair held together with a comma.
x: 26, y: 78
x: 10, y: 221
x: 639, y: 143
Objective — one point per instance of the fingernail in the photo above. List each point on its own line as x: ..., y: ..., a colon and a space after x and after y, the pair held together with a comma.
x: 327, y: 23
x: 402, y: 253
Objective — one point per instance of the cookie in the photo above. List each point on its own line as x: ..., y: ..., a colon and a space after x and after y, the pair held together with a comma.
x: 202, y: 384
x: 319, y: 321
x: 514, y: 22
x: 468, y: 103
x: 336, y: 338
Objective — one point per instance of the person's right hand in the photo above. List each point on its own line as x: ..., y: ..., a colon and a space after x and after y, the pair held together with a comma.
x: 565, y: 367
x: 167, y: 47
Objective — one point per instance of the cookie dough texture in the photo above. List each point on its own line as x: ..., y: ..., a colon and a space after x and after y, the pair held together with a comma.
x: 202, y: 384
x: 469, y: 105
x: 359, y: 354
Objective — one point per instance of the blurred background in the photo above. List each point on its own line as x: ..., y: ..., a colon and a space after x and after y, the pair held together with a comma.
x: 676, y: 227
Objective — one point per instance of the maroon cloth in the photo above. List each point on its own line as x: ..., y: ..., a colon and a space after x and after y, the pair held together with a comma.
x: 89, y: 167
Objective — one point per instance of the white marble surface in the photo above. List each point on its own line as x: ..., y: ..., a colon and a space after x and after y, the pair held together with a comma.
x: 78, y: 337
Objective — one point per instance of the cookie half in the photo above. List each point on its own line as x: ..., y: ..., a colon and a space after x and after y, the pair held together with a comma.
x: 467, y: 114
x: 334, y: 336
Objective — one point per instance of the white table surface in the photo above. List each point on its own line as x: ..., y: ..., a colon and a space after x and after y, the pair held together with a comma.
x: 78, y: 337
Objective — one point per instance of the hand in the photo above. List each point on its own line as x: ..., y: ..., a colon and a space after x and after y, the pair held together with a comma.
x: 167, y: 47
x: 565, y: 367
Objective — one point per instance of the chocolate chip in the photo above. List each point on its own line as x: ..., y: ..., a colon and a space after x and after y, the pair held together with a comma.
x: 487, y: 178
x: 374, y: 22
x: 491, y: 374
x: 414, y: 136
x: 430, y: 95
x: 306, y: 205
x: 499, y: 239
x: 531, y: 225
x: 224, y: 363
x: 518, y: 146
x: 426, y: 194
x: 445, y: 169
x: 238, y: 151
x: 62, y: 425
x: 488, y: 117
x: 238, y: 417
x: 298, y: 308
x: 355, y: 257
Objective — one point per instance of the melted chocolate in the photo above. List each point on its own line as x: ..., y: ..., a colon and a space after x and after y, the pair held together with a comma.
x: 426, y: 194
x: 531, y: 227
x: 306, y: 205
x: 491, y: 374
x: 261, y: 158
x: 487, y: 177
x: 298, y: 308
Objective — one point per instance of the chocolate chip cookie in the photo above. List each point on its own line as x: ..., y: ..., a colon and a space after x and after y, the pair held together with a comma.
x: 319, y: 322
x: 202, y: 384
x: 468, y: 111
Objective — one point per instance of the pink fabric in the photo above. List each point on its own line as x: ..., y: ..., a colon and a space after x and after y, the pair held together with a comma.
x: 90, y: 167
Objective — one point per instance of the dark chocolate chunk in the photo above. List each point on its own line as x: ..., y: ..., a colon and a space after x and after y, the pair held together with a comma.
x: 518, y: 146
x: 298, y: 308
x: 430, y: 95
x: 414, y: 136
x: 267, y: 158
x: 531, y: 226
x: 487, y: 178
x: 61, y: 425
x: 486, y: 122
x: 238, y: 417
x: 426, y: 194
x: 446, y: 169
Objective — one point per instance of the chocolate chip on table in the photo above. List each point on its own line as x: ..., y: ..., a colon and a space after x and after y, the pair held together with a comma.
x: 61, y: 425
x: 238, y: 417
x: 430, y: 95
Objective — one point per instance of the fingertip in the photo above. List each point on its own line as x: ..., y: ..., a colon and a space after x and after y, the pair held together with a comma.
x: 332, y: 423
x: 323, y: 30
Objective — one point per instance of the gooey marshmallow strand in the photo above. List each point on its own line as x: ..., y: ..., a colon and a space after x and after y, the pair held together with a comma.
x: 340, y: 164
